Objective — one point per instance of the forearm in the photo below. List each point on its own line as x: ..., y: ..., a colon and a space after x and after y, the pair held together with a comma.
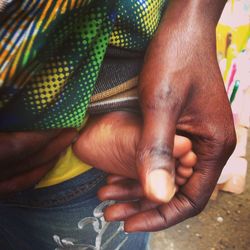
x: 206, y: 12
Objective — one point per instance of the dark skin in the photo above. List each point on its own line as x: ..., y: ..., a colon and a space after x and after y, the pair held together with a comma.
x: 186, y: 95
x: 25, y: 157
x: 179, y: 91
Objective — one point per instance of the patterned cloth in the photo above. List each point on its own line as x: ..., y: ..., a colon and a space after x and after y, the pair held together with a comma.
x: 51, y: 53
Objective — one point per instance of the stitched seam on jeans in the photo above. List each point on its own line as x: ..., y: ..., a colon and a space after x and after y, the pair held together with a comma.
x: 54, y: 201
x: 68, y: 195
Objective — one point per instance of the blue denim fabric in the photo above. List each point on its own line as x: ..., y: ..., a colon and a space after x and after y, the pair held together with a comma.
x: 64, y: 216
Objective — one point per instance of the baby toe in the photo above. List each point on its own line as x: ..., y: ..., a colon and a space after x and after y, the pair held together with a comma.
x: 180, y: 181
x: 184, y: 171
x: 182, y: 145
x: 189, y: 159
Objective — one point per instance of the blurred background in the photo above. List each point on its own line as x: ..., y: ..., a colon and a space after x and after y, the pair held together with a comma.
x: 225, y: 223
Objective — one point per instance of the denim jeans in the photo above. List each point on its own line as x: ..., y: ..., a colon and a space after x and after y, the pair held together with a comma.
x: 64, y: 216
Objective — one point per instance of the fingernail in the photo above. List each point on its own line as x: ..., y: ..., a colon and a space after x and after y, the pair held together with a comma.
x: 161, y: 185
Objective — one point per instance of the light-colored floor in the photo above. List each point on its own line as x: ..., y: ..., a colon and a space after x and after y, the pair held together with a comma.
x: 224, y: 224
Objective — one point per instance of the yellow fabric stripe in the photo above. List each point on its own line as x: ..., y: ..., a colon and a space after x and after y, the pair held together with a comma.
x: 121, y: 88
x: 68, y: 166
x: 53, y: 14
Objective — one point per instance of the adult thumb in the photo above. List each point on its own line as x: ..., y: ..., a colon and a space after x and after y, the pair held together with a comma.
x: 154, y: 159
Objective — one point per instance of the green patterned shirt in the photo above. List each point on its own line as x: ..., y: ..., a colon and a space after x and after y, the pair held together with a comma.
x: 51, y: 53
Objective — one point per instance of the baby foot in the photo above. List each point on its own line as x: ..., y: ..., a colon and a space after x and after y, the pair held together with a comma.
x: 109, y: 142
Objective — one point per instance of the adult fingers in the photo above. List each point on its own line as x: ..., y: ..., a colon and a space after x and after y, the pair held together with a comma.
x: 113, y: 212
x: 15, y: 146
x: 163, y: 216
x: 56, y: 146
x: 189, y: 201
x: 25, y: 180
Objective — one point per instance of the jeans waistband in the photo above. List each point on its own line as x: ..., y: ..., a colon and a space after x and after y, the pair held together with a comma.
x: 84, y: 186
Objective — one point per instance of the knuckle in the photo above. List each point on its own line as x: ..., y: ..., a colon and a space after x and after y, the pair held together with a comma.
x: 163, y: 216
x: 221, y: 134
x: 196, y: 209
x: 123, y: 212
x: 195, y: 205
x: 225, y: 140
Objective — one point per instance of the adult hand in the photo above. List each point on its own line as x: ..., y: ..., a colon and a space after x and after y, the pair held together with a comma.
x: 181, y: 89
x: 25, y: 157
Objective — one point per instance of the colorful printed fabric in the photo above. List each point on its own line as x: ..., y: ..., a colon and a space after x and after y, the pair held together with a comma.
x: 51, y: 52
